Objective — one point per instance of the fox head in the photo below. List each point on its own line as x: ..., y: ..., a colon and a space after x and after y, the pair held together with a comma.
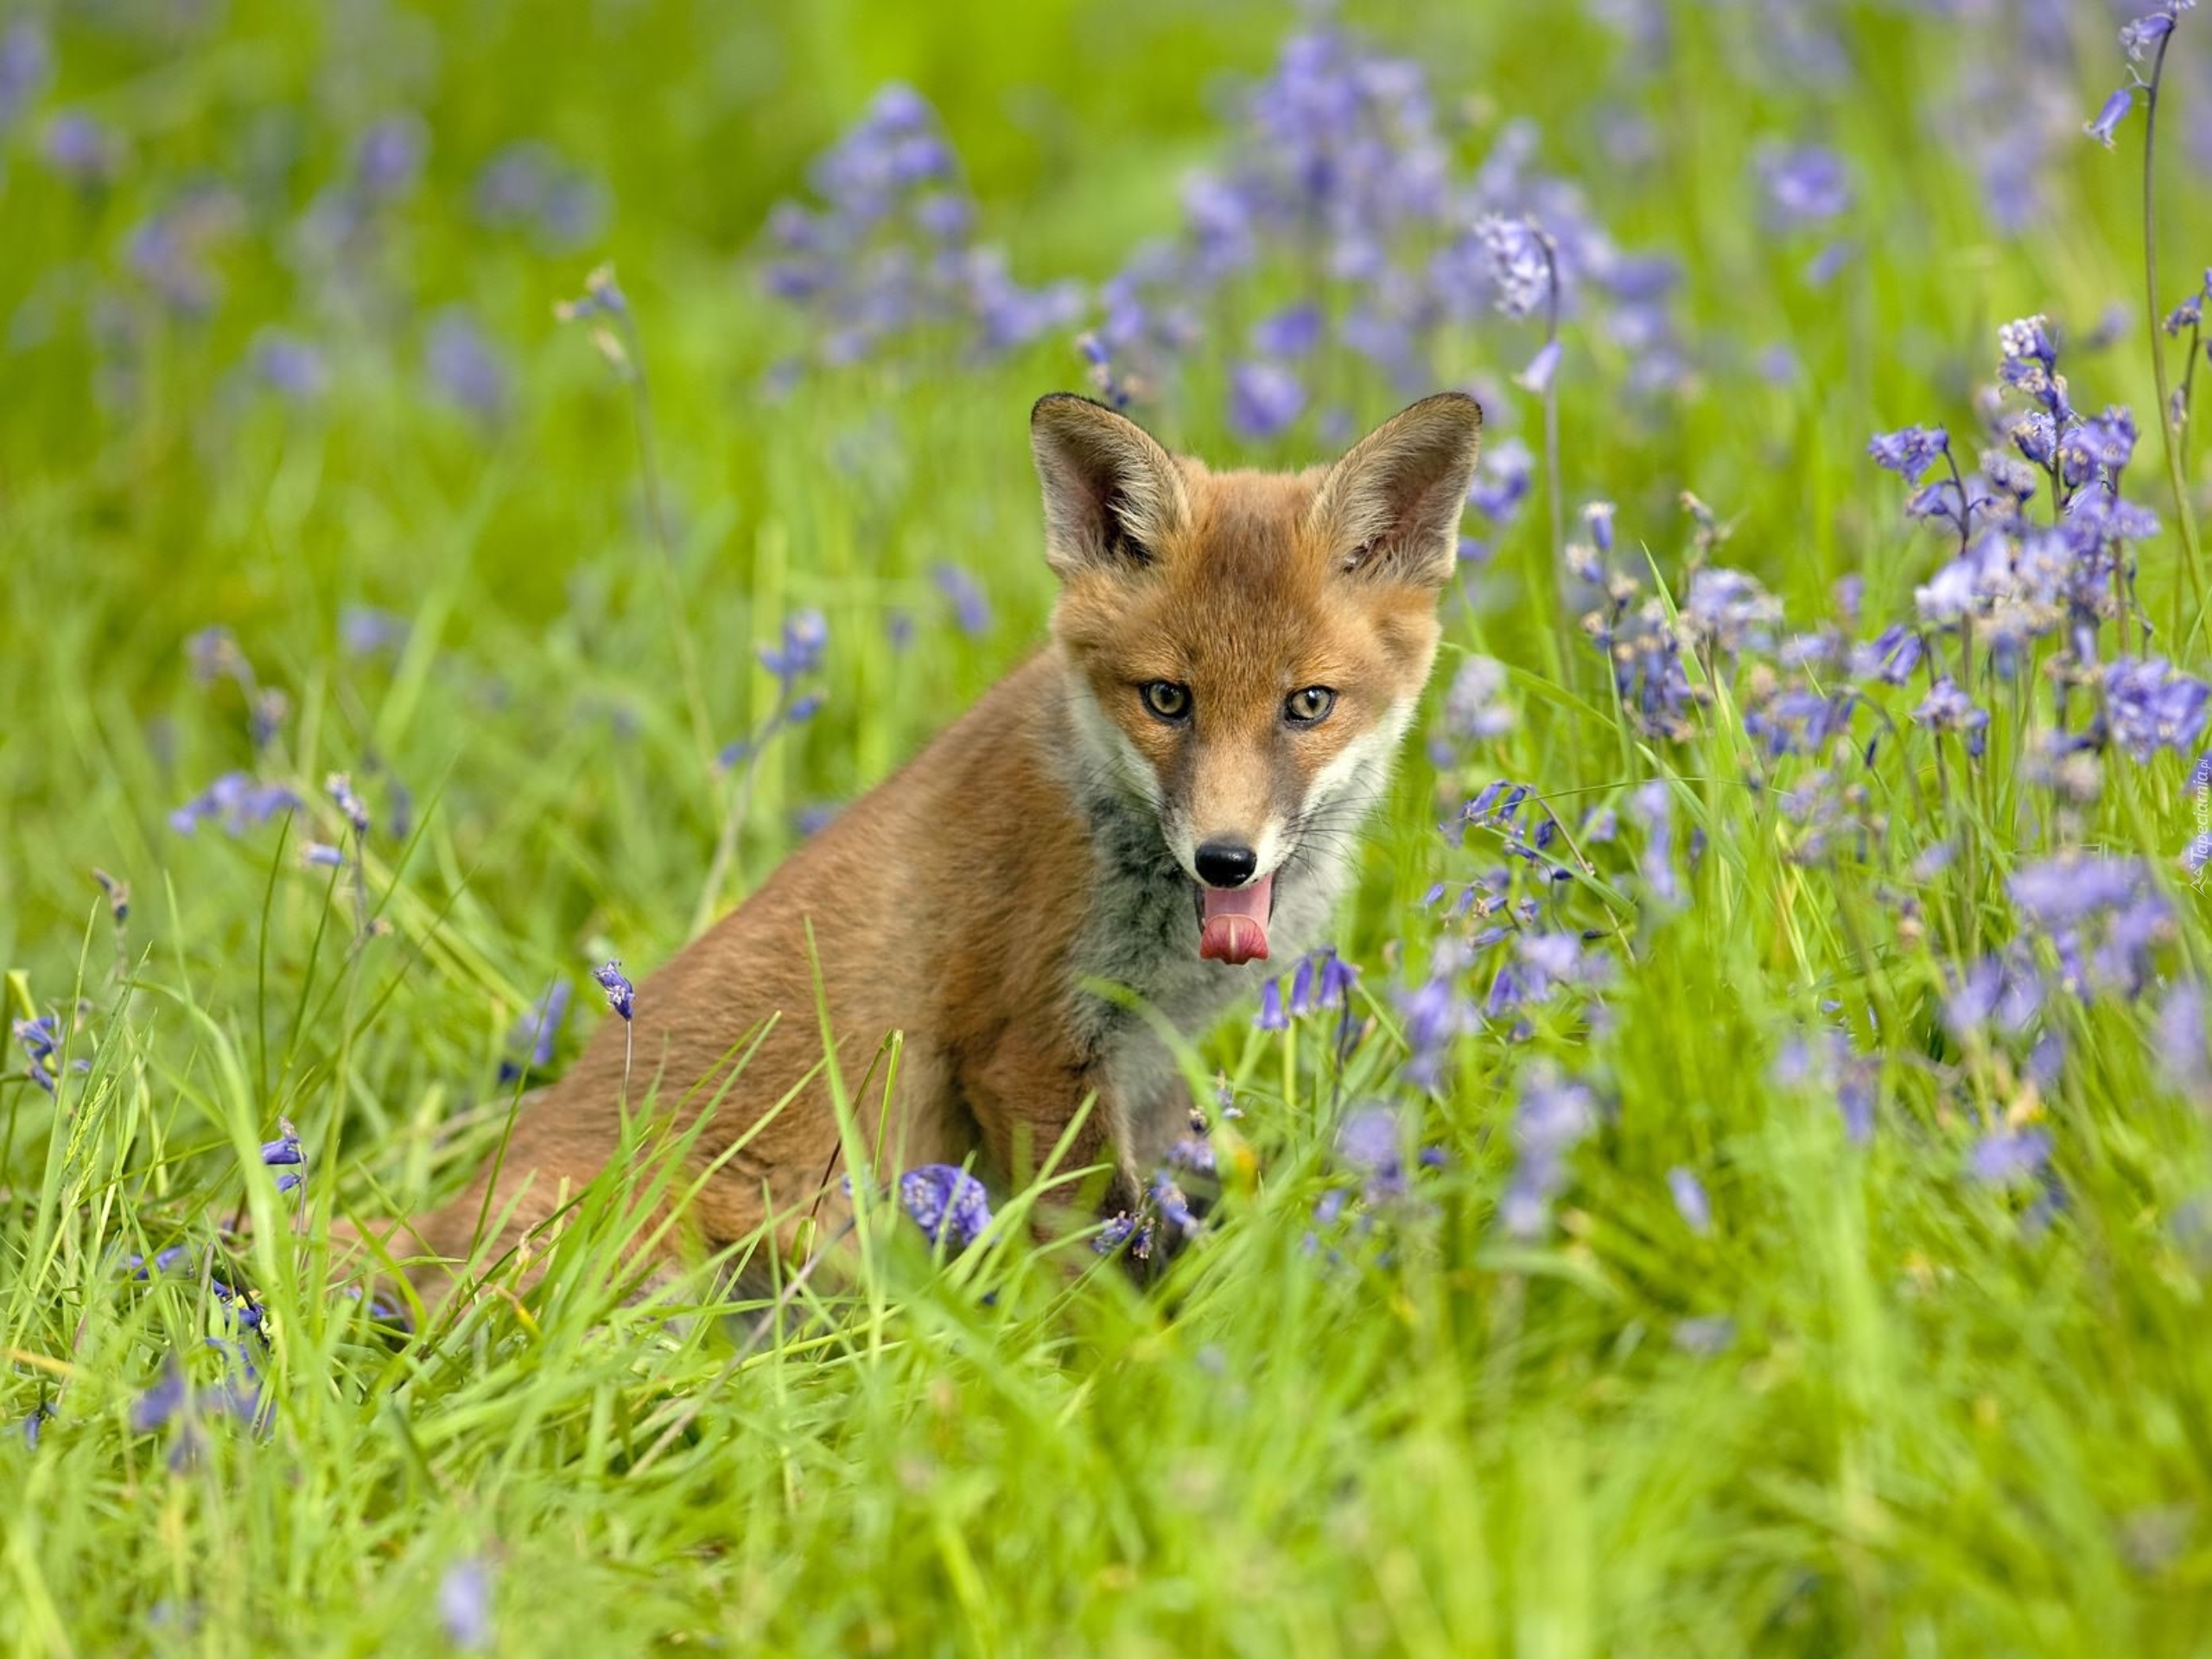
x: 1247, y: 648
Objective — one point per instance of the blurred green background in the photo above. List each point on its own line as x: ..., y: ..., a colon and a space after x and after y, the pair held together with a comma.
x: 279, y: 356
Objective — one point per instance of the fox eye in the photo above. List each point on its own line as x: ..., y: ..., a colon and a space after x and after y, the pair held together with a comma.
x: 1165, y: 699
x: 1310, y: 706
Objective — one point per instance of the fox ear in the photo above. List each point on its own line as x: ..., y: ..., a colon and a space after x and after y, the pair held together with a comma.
x: 1391, y: 506
x: 1112, y: 494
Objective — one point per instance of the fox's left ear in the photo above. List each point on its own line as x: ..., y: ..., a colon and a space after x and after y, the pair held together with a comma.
x: 1390, y: 508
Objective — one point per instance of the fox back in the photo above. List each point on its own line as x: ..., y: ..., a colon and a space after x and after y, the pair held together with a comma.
x: 1161, y: 802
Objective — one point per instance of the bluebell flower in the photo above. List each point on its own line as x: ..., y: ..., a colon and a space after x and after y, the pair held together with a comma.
x: 1193, y: 1153
x: 1126, y: 1231
x: 1504, y: 476
x: 41, y: 1038
x: 1890, y: 658
x: 338, y: 786
x: 2180, y: 1044
x: 389, y: 157
x: 1729, y: 611
x: 2009, y: 1157
x: 465, y: 1604
x: 1271, y: 1016
x: 1264, y: 399
x: 321, y: 853
x: 2150, y: 706
x: 2028, y: 361
x: 2103, y: 915
x: 948, y: 1204
x: 1370, y: 1143
x: 285, y: 1149
x: 1292, y: 332
x: 1806, y: 184
x: 1552, y: 1116
x: 2137, y: 38
x: 2106, y: 120
x: 1597, y: 519
x: 464, y: 367
x: 1476, y: 710
x: 622, y: 995
x: 1911, y: 451
x: 81, y: 149
x: 1537, y: 377
x: 287, y: 364
x: 158, y: 1405
x: 2002, y: 993
x: 1948, y: 708
x: 536, y: 1031
x: 118, y: 895
x: 1519, y: 263
x: 971, y: 607
x: 799, y: 651
x: 26, y: 67
x: 1690, y: 1201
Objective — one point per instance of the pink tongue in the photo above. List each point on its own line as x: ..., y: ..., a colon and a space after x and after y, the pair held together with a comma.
x: 1234, y: 927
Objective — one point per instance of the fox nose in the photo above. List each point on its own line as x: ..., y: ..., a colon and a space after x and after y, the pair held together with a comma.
x: 1225, y: 863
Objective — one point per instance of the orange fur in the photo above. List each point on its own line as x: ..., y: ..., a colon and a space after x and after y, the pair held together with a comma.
x: 1043, y: 837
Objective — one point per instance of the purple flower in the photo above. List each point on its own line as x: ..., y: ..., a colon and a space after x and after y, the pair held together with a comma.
x: 1805, y: 185
x: 289, y: 366
x: 1518, y: 262
x: 1271, y: 1016
x: 1730, y: 610
x: 26, y: 66
x: 1911, y: 451
x: 2180, y: 1046
x: 1690, y: 1201
x: 1543, y: 367
x: 463, y: 365
x: 2150, y: 706
x: 364, y: 631
x: 81, y: 149
x: 285, y: 1149
x: 1264, y: 399
x: 2138, y: 37
x: 1292, y: 332
x: 622, y: 995
x: 1552, y: 1116
x: 389, y: 158
x: 2003, y: 993
x: 338, y: 786
x: 238, y: 800
x: 1947, y: 709
x: 154, y: 1408
x: 2106, y: 120
x: 1134, y: 1232
x: 2008, y: 1157
x: 948, y: 1204
x: 1370, y: 1144
x: 1476, y: 710
x: 799, y: 651
x: 465, y: 1604
x: 536, y: 1031
x: 971, y: 607
x: 1504, y: 476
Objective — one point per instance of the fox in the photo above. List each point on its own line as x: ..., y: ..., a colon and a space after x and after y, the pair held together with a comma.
x: 1162, y: 799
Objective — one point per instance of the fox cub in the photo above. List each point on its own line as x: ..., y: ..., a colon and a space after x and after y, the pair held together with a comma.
x: 1161, y: 800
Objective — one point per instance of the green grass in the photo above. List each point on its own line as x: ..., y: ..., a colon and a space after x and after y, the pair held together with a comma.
x: 1878, y: 1406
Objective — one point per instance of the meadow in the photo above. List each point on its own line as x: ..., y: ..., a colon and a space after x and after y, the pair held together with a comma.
x: 479, y: 483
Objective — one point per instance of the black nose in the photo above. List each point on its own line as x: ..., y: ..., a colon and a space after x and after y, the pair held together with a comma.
x: 1225, y: 864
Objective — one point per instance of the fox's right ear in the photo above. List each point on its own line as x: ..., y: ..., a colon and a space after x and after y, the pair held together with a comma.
x: 1112, y: 495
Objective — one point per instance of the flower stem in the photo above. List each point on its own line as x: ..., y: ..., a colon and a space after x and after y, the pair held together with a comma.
x: 2185, y: 518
